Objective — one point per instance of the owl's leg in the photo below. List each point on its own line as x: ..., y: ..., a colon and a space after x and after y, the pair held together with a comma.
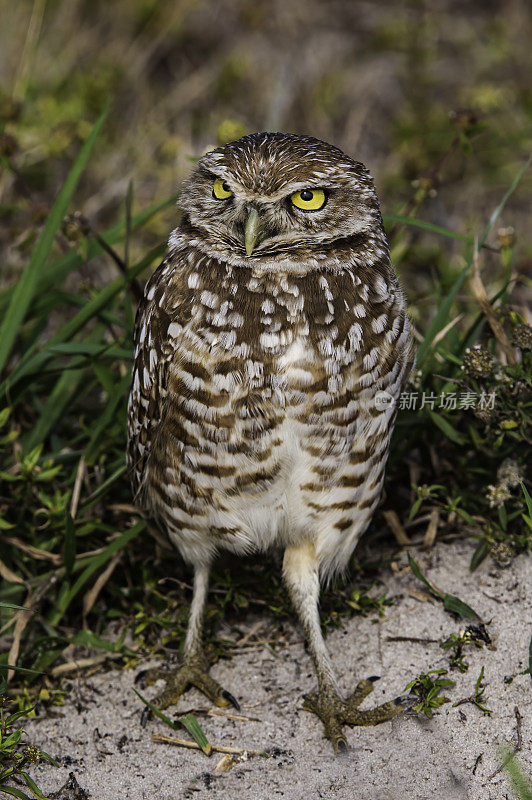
x: 197, y: 660
x: 300, y: 570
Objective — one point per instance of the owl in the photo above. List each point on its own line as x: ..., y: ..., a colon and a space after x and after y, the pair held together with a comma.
x: 271, y: 346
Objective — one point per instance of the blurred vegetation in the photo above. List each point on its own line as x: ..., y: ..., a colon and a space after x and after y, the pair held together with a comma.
x: 16, y: 754
x: 434, y: 98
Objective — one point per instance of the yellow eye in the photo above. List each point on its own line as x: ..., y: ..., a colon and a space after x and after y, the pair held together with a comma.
x: 309, y: 199
x: 221, y: 190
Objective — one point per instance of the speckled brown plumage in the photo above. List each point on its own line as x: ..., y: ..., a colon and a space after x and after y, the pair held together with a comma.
x: 253, y: 418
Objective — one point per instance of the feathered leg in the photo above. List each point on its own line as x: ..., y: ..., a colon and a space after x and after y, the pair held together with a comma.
x: 300, y: 570
x: 194, y: 671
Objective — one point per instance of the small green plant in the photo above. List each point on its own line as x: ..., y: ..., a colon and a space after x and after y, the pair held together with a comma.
x: 15, y: 754
x: 363, y: 603
x: 428, y: 690
x: 456, y: 657
x: 473, y: 635
x: 30, y: 699
x: 424, y: 493
x: 477, y: 698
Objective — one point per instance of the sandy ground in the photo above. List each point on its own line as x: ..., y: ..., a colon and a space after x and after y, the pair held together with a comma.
x: 453, y: 756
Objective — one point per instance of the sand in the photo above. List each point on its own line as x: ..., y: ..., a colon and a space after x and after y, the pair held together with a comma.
x: 452, y: 756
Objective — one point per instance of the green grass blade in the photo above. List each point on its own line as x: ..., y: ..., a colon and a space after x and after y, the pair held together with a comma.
x: 69, y: 545
x: 59, y: 400
x: 26, y: 287
x: 521, y: 784
x: 457, y: 606
x: 188, y: 721
x: 513, y: 186
x: 129, y: 205
x: 443, y: 314
x: 158, y: 713
x: 63, y: 265
x: 33, y: 786
x: 86, y: 348
x: 34, y: 362
x: 414, y: 566
x: 101, y: 490
x: 106, y: 418
x: 9, y: 720
x: 49, y: 759
x: 191, y: 724
x: 12, y: 605
x: 446, y: 428
x: 22, y: 670
x: 95, y: 563
x: 103, y: 298
x: 426, y: 226
x: 528, y: 499
x: 481, y: 551
x: 12, y: 792
x: 450, y: 601
x: 54, y: 275
x: 89, y: 639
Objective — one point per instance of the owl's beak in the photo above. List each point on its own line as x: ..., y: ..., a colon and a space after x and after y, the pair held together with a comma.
x: 251, y: 231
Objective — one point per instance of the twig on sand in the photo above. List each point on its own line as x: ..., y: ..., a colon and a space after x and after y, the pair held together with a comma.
x: 394, y: 523
x: 215, y: 748
x: 517, y: 747
x: 432, y: 529
x: 211, y: 712
x: 22, y: 618
x: 416, y: 639
x: 83, y: 663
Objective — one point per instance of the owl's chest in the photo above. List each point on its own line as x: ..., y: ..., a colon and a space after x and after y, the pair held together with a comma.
x: 275, y: 330
x: 257, y: 350
x: 272, y: 374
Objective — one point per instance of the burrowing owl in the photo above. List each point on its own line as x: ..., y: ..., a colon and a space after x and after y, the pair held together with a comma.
x: 271, y: 345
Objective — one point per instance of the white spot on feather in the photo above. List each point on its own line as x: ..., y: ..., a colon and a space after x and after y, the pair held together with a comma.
x: 324, y: 284
x: 355, y: 336
x: 371, y: 359
x: 208, y: 299
x: 379, y: 323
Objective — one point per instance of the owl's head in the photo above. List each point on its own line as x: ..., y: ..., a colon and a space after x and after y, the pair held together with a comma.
x: 276, y: 196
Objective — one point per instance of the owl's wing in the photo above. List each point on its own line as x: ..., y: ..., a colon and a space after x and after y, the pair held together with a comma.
x: 158, y: 319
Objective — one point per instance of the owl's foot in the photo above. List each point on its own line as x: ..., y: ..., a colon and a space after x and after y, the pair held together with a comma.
x: 193, y: 672
x: 335, y: 712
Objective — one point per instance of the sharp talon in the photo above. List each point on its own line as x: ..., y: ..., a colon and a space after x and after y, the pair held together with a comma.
x: 406, y: 701
x: 399, y: 701
x: 228, y: 696
x: 140, y: 677
x: 145, y: 716
x: 374, y: 678
x: 341, y: 745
